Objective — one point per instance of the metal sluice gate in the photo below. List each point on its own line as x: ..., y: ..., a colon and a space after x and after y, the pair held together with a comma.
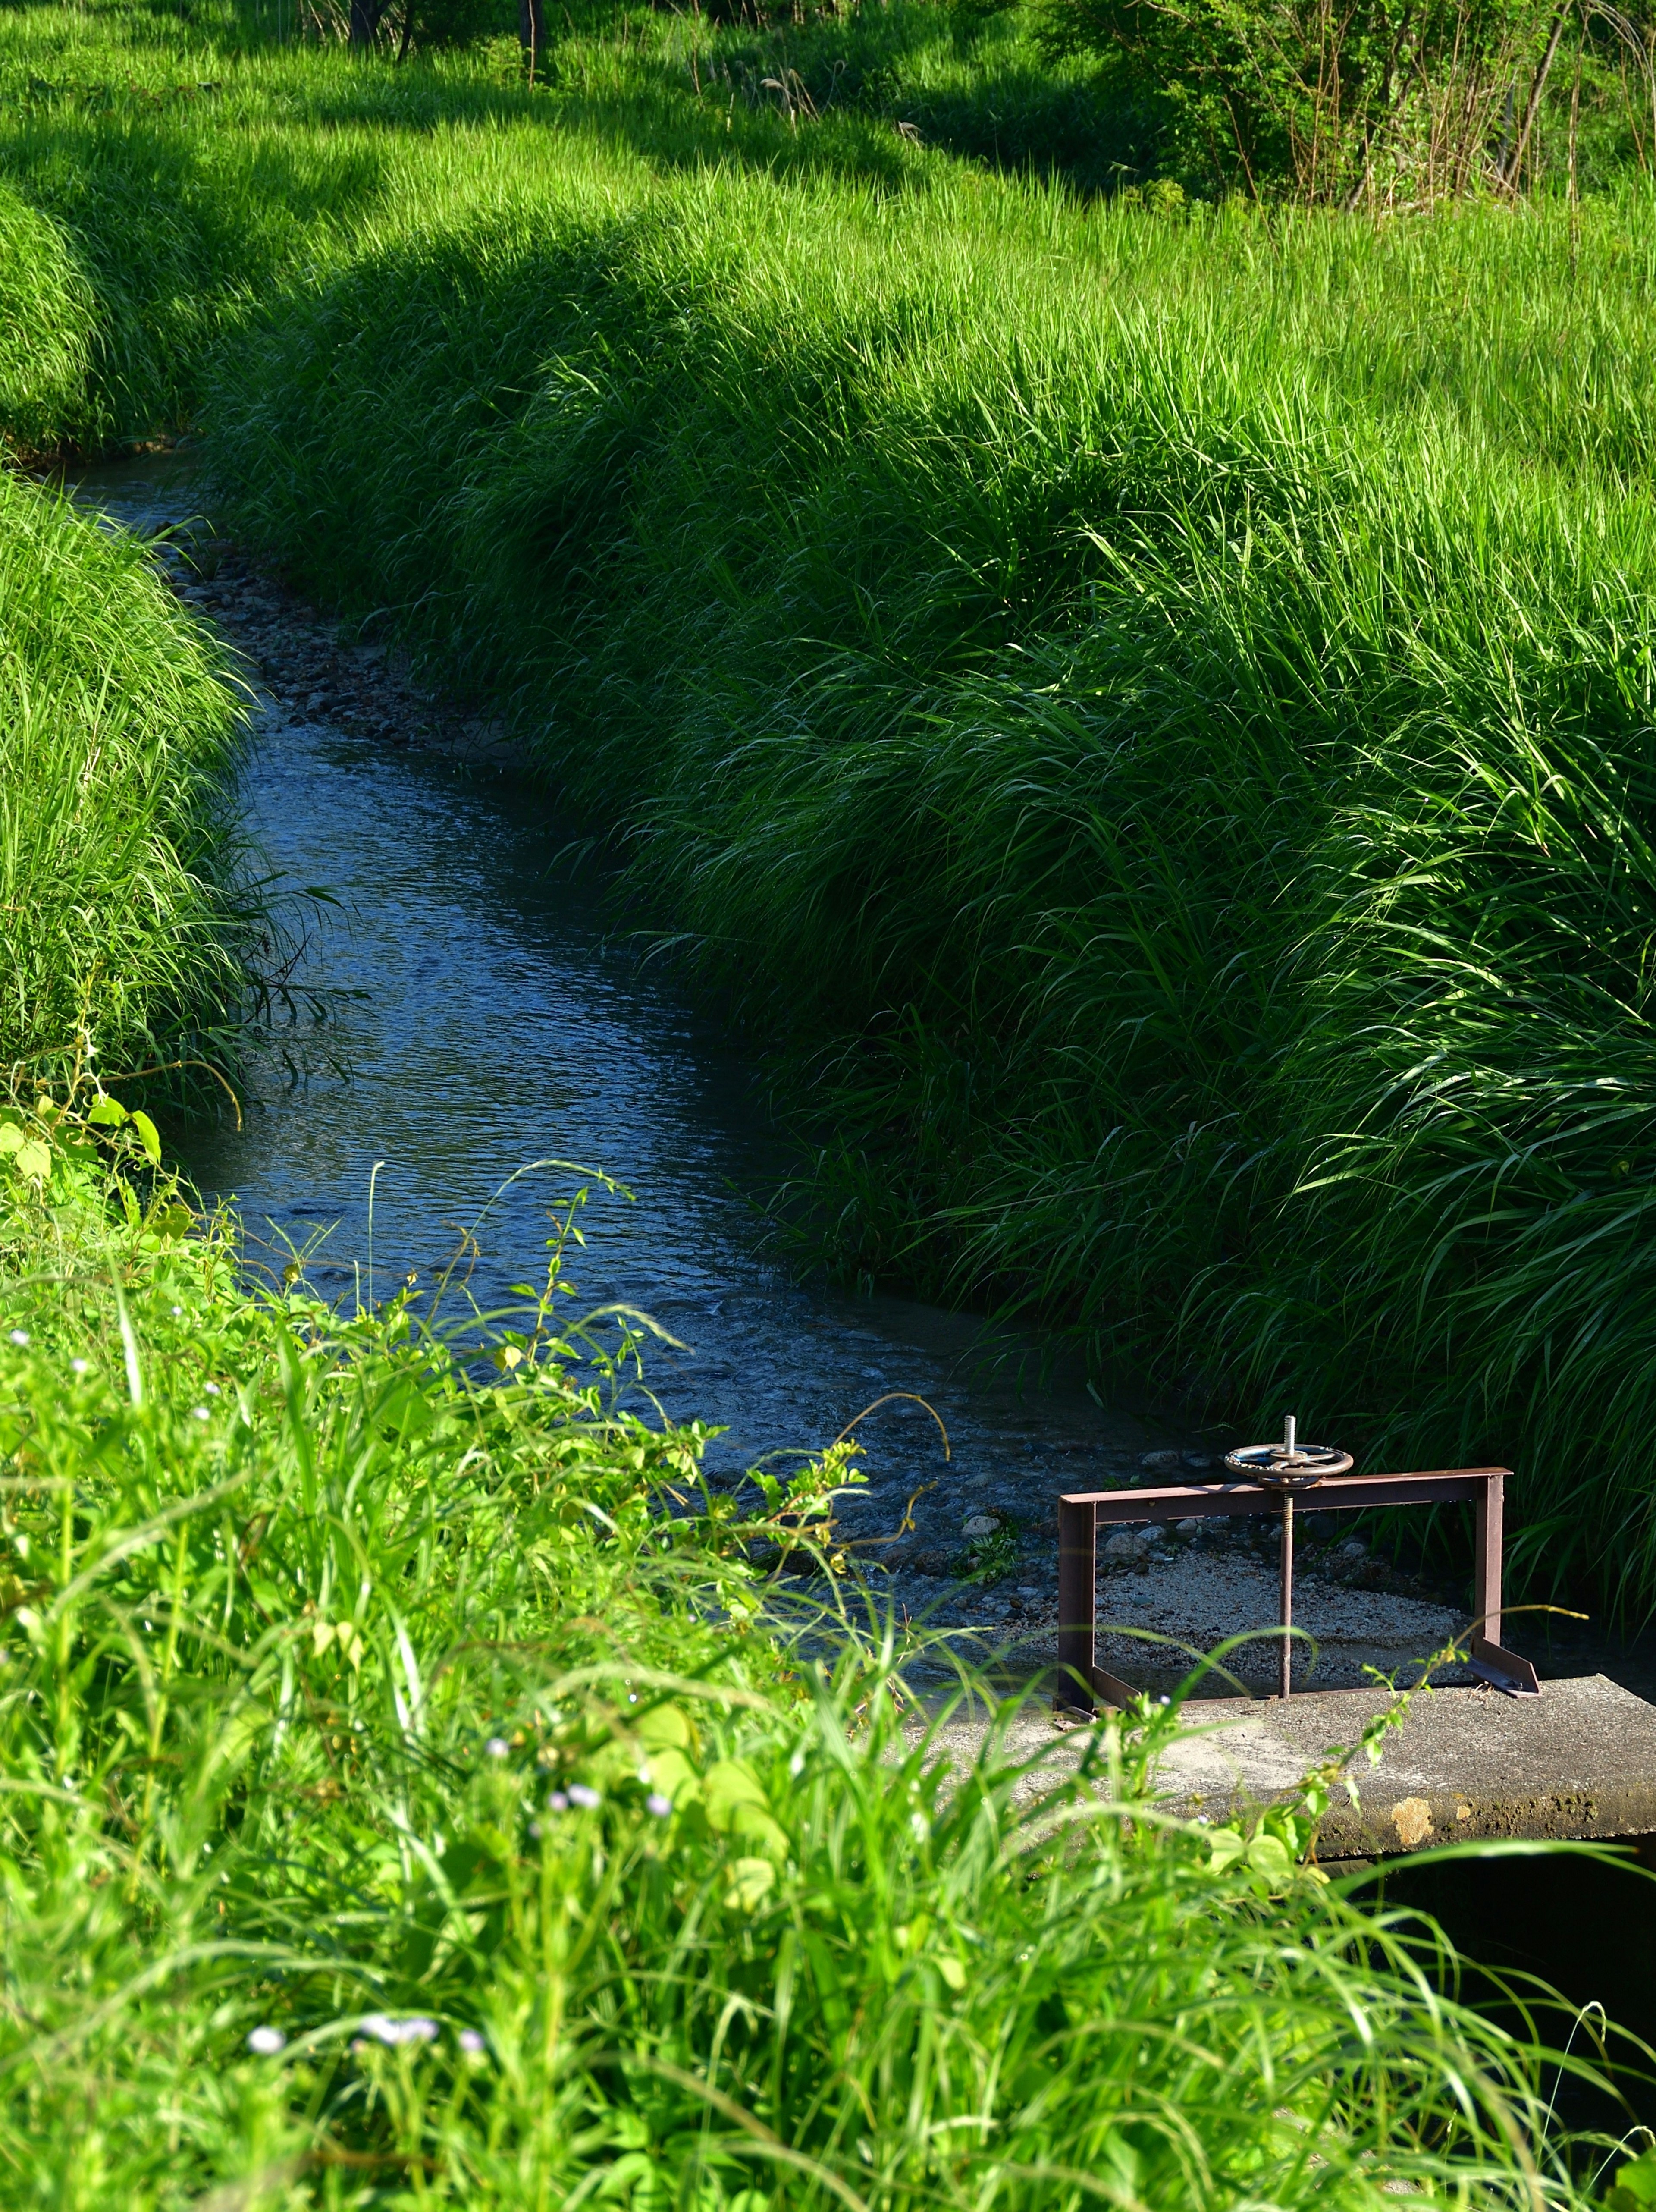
x: 1279, y: 1478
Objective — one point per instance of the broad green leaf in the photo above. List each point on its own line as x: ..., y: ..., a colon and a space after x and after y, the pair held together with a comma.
x: 1268, y: 1855
x: 666, y: 1724
x: 149, y: 1137
x: 1225, y: 1847
x: 751, y: 1883
x: 1634, y: 2187
x: 672, y: 1774
x: 730, y: 1782
x: 736, y: 1805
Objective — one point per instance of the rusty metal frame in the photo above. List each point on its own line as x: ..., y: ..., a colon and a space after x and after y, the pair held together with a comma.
x: 1081, y: 1514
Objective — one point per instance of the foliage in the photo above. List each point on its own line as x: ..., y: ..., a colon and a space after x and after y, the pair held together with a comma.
x: 1143, y: 710
x: 1635, y: 2185
x: 408, y: 1801
x: 44, y: 339
x: 1130, y: 780
x: 1377, y: 101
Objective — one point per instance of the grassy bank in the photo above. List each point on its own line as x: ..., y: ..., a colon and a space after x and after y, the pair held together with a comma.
x: 407, y: 1800
x: 1032, y: 705
x: 1181, y: 816
x: 117, y: 730
x: 1147, y: 716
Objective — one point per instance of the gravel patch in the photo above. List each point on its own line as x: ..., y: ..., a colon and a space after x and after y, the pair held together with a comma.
x: 1201, y: 1599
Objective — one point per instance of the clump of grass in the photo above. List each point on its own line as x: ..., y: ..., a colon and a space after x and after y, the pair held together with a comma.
x: 119, y: 724
x: 45, y: 341
x: 409, y: 1801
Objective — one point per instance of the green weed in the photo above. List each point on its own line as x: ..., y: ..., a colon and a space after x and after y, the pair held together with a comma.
x: 407, y: 1801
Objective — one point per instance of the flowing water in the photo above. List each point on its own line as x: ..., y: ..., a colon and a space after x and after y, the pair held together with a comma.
x: 482, y: 1019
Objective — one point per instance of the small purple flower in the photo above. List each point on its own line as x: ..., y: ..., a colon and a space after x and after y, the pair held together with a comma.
x: 265, y: 2042
x: 471, y: 2043
x: 557, y: 1802
x: 656, y: 1803
x: 497, y: 1747
x: 587, y: 1799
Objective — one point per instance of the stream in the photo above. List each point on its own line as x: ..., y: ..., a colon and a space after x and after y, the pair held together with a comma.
x: 483, y: 1017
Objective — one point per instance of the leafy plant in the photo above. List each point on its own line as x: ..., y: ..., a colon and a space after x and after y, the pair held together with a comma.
x: 1381, y: 102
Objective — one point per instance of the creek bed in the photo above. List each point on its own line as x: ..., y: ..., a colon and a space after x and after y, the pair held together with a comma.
x: 481, y: 1017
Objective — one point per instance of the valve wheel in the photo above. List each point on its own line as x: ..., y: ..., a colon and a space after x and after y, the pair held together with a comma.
x: 1287, y: 1467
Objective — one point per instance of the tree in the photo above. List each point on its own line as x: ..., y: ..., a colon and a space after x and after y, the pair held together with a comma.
x: 1336, y: 101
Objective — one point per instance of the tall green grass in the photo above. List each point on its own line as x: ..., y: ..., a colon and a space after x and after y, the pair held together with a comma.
x: 407, y: 1801
x: 118, y: 723
x: 1146, y: 715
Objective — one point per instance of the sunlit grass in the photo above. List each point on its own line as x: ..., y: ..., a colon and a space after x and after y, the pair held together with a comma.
x: 406, y: 1800
x: 1146, y: 715
x: 118, y: 726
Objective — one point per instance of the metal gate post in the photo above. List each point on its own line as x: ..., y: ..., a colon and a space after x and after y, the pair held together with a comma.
x: 1076, y: 1600
x: 1504, y: 1670
x: 1486, y: 1557
x: 1080, y: 1513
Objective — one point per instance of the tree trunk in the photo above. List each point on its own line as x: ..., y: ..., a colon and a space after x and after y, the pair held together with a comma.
x: 531, y: 31
x: 365, y: 21
x: 1510, y: 169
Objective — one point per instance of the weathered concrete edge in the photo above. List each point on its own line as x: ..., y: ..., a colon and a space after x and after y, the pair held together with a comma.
x: 1387, y: 1826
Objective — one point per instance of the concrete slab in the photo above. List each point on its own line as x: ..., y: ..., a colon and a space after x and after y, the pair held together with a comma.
x: 1579, y: 1762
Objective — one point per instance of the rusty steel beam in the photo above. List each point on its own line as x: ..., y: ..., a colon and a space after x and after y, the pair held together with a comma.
x: 1345, y: 1493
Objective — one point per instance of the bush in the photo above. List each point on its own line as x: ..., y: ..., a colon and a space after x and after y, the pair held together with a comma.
x: 1381, y: 101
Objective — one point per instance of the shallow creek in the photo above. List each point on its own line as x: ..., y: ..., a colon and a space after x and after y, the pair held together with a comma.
x: 480, y: 1020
